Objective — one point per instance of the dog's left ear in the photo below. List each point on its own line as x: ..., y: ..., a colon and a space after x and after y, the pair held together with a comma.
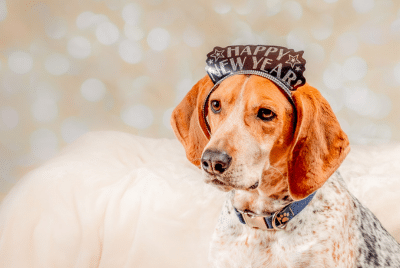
x: 319, y: 146
x: 188, y: 123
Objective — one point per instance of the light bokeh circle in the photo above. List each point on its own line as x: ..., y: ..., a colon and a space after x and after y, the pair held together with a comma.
x: 79, y: 47
x: 107, y: 33
x: 363, y: 6
x: 355, y: 68
x: 138, y: 116
x: 93, y: 90
x: 333, y: 76
x: 158, y: 39
x: 131, y: 13
x: 396, y: 73
x: 20, y: 62
x: 3, y: 10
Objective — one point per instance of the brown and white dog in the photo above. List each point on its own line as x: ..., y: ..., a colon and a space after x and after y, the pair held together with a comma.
x: 268, y: 155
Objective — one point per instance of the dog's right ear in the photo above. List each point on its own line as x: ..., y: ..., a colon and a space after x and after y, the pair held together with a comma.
x: 188, y: 123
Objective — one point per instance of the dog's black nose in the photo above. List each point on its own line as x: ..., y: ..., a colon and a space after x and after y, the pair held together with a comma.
x: 215, y: 162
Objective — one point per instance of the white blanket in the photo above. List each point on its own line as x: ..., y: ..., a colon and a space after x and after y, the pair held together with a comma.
x: 112, y: 199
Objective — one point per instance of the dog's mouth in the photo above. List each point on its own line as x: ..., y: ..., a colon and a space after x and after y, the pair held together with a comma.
x: 226, y: 185
x: 221, y: 185
x: 218, y: 182
x: 254, y: 186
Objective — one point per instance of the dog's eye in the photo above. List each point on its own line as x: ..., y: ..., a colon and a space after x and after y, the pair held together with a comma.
x: 265, y: 114
x: 215, y: 106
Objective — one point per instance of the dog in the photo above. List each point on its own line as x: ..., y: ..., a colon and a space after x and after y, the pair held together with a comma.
x: 268, y: 153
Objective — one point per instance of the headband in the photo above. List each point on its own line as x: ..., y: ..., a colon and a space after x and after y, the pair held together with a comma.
x: 281, y: 65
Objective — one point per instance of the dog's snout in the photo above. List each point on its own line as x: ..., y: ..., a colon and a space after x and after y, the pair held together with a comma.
x: 215, y: 162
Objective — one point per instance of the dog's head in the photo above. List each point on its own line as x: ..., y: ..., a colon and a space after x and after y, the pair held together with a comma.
x: 263, y: 147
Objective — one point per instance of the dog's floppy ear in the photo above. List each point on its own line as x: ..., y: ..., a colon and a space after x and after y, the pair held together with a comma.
x: 319, y: 145
x: 188, y: 123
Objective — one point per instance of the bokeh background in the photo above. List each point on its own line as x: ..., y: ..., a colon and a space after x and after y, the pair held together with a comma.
x: 69, y: 67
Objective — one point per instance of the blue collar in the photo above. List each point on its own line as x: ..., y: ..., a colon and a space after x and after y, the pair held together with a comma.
x: 278, y: 220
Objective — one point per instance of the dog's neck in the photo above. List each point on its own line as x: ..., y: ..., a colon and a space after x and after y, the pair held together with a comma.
x: 334, y: 187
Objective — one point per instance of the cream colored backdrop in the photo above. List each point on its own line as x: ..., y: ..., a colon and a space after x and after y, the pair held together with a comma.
x: 68, y: 67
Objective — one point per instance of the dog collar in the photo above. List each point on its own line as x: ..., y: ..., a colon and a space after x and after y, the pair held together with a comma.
x: 281, y: 65
x: 278, y: 220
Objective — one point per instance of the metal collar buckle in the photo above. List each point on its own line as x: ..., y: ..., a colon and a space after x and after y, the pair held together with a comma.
x: 257, y: 221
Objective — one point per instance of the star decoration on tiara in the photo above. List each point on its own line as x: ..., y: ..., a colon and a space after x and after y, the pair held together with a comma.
x: 217, y: 54
x: 293, y: 60
x: 210, y: 61
x: 298, y: 68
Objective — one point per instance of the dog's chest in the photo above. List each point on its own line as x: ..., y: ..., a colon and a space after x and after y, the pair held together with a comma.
x: 319, y: 244
x: 255, y: 251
